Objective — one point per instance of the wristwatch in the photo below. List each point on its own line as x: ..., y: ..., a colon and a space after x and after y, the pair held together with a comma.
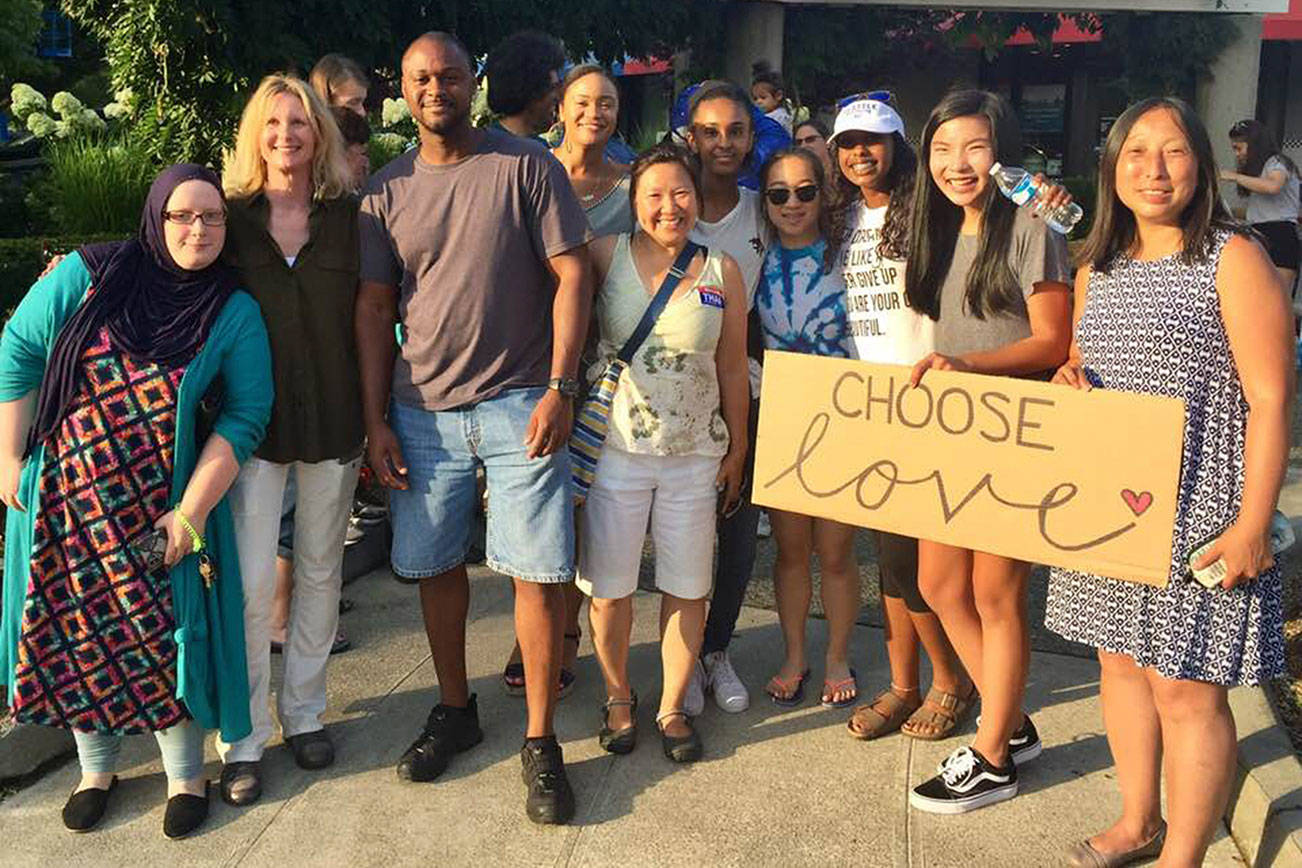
x: 567, y: 386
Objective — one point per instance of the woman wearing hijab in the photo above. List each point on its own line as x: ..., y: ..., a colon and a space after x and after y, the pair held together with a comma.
x: 122, y: 603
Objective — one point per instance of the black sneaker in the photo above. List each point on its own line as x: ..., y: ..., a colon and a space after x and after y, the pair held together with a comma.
x: 967, y: 781
x: 550, y: 798
x: 447, y: 731
x: 1023, y: 747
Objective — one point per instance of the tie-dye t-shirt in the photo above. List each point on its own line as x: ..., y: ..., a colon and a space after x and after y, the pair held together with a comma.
x: 801, y: 304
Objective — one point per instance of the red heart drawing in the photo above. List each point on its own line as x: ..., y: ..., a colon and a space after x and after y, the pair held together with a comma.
x: 1138, y: 503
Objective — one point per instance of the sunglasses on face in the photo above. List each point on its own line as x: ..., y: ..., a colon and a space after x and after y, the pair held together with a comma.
x: 780, y: 195
x: 879, y: 95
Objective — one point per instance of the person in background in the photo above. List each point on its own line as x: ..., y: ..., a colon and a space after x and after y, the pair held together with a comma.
x: 1175, y: 298
x: 812, y: 134
x: 293, y: 239
x: 112, y: 624
x: 1269, y: 181
x: 357, y: 136
x: 769, y: 94
x: 524, y: 76
x: 721, y: 135
x: 589, y: 111
x: 477, y: 238
x: 800, y: 303
x: 342, y: 82
x: 691, y: 374
x: 993, y: 278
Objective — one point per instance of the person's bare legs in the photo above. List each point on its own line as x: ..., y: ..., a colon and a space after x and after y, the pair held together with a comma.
x: 539, y: 623
x: 1135, y: 739
x: 839, y: 576
x: 682, y: 629
x: 999, y: 592
x: 445, y: 602
x: 573, y: 606
x: 945, y: 580
x: 1198, y: 740
x: 612, y: 625
x: 280, y: 602
x: 792, y: 586
x: 947, y: 673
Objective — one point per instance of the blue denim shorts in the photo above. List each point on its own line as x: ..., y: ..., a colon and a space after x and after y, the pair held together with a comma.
x: 530, y: 502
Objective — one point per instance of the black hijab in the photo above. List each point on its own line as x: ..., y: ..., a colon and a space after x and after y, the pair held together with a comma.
x: 155, y: 310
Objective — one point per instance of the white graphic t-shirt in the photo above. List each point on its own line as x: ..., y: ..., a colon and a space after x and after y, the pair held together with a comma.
x: 883, y: 328
x: 740, y: 234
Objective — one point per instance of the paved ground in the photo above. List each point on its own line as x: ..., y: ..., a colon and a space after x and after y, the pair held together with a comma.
x: 777, y: 786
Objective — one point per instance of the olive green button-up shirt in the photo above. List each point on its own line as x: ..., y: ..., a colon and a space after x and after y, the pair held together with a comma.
x: 308, y: 309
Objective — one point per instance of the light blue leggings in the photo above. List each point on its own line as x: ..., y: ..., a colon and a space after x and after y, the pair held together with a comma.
x: 181, y: 746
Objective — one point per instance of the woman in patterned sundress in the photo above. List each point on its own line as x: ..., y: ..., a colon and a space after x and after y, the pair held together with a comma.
x: 1173, y: 298
x: 111, y: 624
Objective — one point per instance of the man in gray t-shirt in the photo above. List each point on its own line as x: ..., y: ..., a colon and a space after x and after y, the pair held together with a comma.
x: 475, y: 245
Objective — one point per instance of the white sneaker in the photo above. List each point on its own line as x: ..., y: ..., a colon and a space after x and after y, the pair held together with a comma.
x: 694, y: 701
x: 721, y: 679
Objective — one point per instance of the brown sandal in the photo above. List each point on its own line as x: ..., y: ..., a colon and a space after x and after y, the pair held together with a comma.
x: 882, y: 716
x: 944, y: 711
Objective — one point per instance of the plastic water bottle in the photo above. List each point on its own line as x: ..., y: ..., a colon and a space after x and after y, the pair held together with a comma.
x: 1017, y: 184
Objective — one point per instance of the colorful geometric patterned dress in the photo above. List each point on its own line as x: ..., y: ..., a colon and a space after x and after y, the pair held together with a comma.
x: 1155, y: 327
x: 97, y: 651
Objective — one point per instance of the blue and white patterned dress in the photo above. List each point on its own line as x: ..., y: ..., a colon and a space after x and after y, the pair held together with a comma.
x: 801, y: 304
x: 1155, y: 327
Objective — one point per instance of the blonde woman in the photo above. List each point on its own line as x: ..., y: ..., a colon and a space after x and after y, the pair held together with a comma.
x: 293, y: 239
x: 341, y: 82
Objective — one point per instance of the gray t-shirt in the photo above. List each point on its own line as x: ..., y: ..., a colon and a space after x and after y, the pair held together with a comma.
x: 466, y: 245
x: 1281, y: 206
x: 1037, y: 254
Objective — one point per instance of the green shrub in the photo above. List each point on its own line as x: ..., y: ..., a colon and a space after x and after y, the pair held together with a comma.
x: 95, y: 185
x: 23, y: 259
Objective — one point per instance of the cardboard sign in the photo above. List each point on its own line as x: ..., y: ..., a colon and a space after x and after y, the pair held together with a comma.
x: 1035, y: 471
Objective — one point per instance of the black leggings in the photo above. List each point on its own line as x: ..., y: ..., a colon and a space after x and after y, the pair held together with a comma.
x: 897, y: 570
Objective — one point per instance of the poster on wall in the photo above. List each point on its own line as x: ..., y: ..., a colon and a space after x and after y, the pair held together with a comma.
x: 1043, y: 108
x: 1031, y: 470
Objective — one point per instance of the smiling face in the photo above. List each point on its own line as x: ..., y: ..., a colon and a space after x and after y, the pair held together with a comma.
x: 590, y: 109
x: 288, y: 141
x: 865, y: 158
x: 438, y: 85
x: 665, y: 203
x: 720, y: 134
x: 350, y: 94
x: 795, y: 220
x: 961, y: 154
x: 1157, y: 172
x: 194, y: 246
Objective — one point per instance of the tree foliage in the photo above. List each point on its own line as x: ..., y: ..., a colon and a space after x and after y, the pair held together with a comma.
x: 22, y: 24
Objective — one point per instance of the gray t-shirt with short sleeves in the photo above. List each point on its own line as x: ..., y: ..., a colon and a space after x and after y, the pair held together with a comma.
x: 1037, y: 254
x: 466, y: 245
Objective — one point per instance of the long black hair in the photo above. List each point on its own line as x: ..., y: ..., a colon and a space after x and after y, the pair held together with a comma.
x: 831, y: 217
x: 1113, y: 234
x: 899, y: 182
x: 1261, y: 147
x: 991, y: 286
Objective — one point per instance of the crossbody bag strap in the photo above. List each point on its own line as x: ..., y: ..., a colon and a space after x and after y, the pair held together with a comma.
x: 657, y: 305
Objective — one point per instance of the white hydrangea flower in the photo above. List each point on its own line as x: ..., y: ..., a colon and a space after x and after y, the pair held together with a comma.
x: 67, y: 105
x: 89, y: 120
x: 63, y: 129
x: 40, y: 124
x: 126, y: 98
x: 25, y: 99
x: 115, y: 111
x: 394, y: 112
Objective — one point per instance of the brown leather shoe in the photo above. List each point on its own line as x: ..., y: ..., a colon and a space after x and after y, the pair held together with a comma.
x: 1083, y: 855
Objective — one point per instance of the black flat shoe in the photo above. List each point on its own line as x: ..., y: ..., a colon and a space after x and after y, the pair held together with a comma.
x: 241, y: 783
x: 185, y: 813
x: 680, y: 749
x: 620, y: 741
x: 312, y: 750
x: 84, y: 809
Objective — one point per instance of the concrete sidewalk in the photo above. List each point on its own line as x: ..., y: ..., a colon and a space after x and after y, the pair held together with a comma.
x: 777, y: 786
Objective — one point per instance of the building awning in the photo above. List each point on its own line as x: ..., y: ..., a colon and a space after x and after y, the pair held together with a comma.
x: 1284, y: 25
x: 642, y: 66
x: 1068, y: 32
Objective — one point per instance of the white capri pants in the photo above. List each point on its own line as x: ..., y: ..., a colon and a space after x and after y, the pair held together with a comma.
x: 678, y: 495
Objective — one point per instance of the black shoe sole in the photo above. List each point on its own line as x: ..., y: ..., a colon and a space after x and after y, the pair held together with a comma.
x: 552, y: 816
x: 621, y: 742
x: 426, y: 777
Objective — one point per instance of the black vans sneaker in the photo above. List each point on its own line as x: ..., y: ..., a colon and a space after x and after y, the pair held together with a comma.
x: 967, y: 781
x: 1023, y: 747
x: 550, y: 799
x: 447, y: 731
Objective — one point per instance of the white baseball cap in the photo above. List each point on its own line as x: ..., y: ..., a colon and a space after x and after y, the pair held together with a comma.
x: 869, y: 116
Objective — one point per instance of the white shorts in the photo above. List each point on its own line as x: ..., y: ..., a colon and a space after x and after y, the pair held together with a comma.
x: 677, y: 493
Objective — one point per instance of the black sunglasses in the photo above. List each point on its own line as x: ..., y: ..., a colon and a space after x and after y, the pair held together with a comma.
x: 780, y: 195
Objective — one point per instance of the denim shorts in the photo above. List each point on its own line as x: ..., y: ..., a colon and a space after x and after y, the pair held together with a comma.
x: 530, y: 502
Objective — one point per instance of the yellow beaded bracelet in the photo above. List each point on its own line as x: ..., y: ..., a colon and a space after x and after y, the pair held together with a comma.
x: 196, y: 541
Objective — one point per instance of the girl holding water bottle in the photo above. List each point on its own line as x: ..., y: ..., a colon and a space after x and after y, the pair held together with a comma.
x: 993, y: 277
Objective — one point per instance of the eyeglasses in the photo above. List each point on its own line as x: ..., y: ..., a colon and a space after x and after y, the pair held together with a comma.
x: 780, y: 195
x: 187, y: 218
x: 879, y: 95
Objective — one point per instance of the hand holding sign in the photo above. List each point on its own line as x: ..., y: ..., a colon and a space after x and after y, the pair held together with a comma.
x: 1015, y: 467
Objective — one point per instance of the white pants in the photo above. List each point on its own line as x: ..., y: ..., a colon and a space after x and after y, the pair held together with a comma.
x: 325, y: 497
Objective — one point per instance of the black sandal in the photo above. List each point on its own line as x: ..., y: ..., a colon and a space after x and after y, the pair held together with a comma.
x: 620, y: 741
x: 567, y: 675
x: 680, y: 749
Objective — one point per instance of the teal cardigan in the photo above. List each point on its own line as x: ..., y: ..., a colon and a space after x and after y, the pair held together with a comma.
x: 212, y: 675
